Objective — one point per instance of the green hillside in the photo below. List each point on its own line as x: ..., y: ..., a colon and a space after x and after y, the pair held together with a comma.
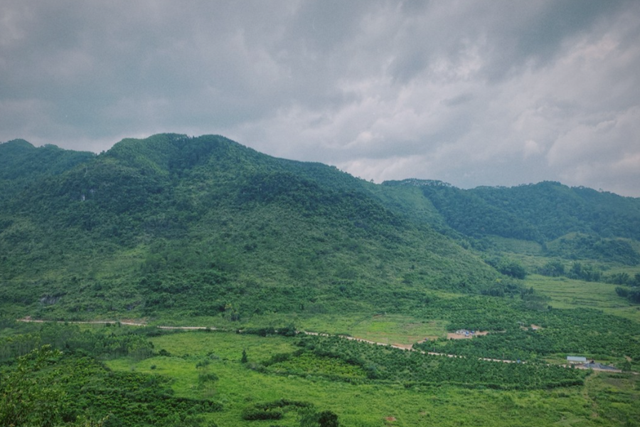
x: 248, y: 251
x: 21, y: 164
x: 580, y: 223
x: 205, y: 226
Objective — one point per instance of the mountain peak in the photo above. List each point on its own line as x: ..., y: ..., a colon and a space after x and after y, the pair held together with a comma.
x: 16, y: 144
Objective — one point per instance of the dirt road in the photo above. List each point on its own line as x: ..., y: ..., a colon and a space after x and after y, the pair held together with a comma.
x: 348, y: 337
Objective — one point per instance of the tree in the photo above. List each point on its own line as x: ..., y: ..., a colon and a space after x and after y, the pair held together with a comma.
x: 311, y: 418
x: 512, y: 268
x: 244, y: 357
x: 29, y: 393
x: 328, y: 419
x: 552, y: 268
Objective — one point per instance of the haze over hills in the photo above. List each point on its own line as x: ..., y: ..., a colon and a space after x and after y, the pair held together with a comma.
x: 206, y: 226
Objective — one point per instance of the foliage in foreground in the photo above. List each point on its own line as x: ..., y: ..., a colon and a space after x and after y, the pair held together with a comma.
x: 303, y: 377
x: 47, y: 388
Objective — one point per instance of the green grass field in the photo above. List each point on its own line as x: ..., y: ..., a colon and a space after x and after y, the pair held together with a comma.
x: 569, y: 293
x: 381, y: 327
x: 606, y: 399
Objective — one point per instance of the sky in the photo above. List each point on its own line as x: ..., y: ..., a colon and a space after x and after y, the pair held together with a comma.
x: 487, y: 92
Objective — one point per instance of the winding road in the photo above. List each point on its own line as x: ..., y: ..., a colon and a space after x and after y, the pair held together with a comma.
x: 197, y: 328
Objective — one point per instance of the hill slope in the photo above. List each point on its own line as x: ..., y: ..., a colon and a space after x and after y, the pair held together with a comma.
x: 207, y: 226
x: 22, y: 163
x: 576, y: 222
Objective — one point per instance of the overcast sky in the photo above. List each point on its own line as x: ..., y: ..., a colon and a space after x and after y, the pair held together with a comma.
x: 470, y: 92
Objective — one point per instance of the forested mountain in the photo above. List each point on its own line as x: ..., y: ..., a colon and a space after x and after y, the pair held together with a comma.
x: 254, y: 250
x: 22, y: 163
x: 206, y: 226
x: 567, y: 221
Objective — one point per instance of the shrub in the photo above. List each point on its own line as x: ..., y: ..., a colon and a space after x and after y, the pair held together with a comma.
x: 252, y: 413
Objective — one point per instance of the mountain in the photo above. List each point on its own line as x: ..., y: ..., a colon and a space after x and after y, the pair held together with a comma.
x: 206, y: 226
x: 573, y: 222
x: 22, y: 163
x: 173, y: 230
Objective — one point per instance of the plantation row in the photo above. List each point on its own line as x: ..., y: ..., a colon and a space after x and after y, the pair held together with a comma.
x: 412, y: 367
x: 582, y: 331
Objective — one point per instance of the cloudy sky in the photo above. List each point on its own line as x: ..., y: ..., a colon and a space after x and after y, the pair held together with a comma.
x: 485, y: 92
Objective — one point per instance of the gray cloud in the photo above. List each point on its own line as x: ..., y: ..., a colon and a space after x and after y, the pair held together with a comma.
x: 474, y: 93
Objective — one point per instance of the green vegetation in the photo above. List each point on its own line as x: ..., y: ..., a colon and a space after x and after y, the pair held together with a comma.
x: 173, y: 226
x: 206, y: 227
x: 579, y: 246
x: 536, y: 212
x: 173, y: 230
x: 28, y: 394
x: 414, y: 368
x: 631, y: 295
x: 107, y: 342
x: 299, y: 380
x: 49, y: 389
x: 558, y: 332
x: 22, y: 164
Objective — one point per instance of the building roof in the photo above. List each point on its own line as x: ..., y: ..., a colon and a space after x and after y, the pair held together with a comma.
x: 576, y: 359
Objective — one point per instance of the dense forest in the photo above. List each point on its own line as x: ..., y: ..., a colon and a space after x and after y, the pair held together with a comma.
x: 195, y: 217
x: 540, y: 212
x: 223, y: 226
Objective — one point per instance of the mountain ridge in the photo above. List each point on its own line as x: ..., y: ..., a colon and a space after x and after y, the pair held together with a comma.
x: 213, y: 221
x: 209, y: 226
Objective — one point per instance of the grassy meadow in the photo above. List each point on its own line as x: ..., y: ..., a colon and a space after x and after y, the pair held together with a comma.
x: 605, y: 399
x: 570, y: 293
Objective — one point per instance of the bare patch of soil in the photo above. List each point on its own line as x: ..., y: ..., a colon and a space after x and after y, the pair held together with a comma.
x: 453, y: 336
